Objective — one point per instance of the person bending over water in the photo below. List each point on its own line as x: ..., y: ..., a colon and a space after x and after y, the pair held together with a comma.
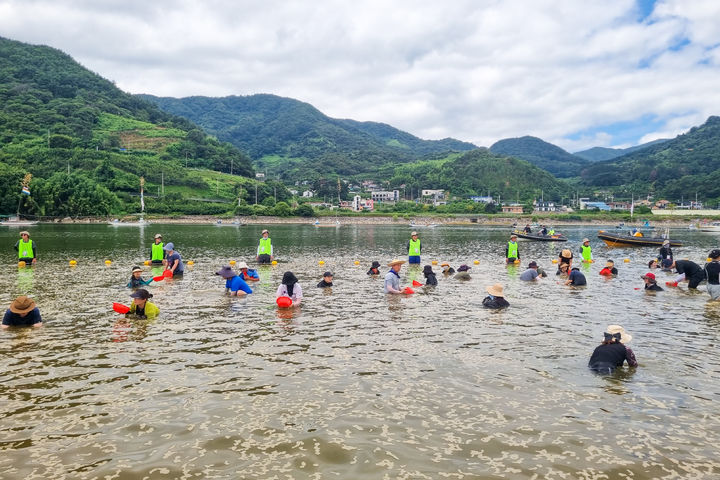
x: 576, y: 278
x: 136, y: 280
x: 140, y: 306
x: 374, y: 268
x: 651, y: 282
x: 290, y: 288
x: 430, y: 278
x: 612, y: 352
x: 496, y: 298
x: 234, y: 284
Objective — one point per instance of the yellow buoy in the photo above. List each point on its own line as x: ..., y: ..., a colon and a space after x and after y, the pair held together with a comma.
x: 108, y: 262
x: 477, y: 262
x: 356, y: 262
x: 554, y: 260
x: 146, y: 262
x: 232, y: 262
x: 274, y: 262
x: 709, y: 259
x: 516, y: 261
x: 321, y: 262
x: 434, y: 262
x: 627, y: 260
x: 21, y: 264
x: 191, y: 263
x: 73, y: 263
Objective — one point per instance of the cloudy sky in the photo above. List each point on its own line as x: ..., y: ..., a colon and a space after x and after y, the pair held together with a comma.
x: 577, y: 73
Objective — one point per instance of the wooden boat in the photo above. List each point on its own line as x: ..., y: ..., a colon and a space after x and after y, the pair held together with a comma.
x: 626, y: 240
x: 334, y: 224
x: 540, y: 238
x: 709, y: 227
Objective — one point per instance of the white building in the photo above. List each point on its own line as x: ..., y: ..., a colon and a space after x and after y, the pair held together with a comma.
x: 308, y: 193
x: 386, y: 197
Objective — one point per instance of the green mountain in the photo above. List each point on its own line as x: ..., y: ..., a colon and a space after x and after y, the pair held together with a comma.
x: 86, y: 144
x: 480, y: 172
x: 599, y: 154
x: 685, y: 165
x: 541, y: 154
x: 293, y: 140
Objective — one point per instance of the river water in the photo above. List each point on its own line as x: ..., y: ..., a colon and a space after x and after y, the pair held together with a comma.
x: 352, y: 384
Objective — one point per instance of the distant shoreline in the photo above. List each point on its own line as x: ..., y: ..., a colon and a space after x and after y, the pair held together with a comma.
x: 418, y: 221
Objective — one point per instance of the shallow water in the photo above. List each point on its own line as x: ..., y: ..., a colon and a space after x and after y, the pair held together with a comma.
x: 352, y: 384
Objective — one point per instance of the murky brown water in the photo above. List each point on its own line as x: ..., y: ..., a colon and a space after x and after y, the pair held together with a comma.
x: 353, y: 384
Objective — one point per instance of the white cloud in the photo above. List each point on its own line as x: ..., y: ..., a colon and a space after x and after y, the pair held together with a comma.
x: 475, y: 70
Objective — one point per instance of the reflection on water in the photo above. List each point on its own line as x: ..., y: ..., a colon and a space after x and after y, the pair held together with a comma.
x: 354, y: 383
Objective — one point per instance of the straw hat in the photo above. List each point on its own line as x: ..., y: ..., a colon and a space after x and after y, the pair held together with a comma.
x: 22, y: 304
x: 495, y: 290
x: 395, y: 262
x: 445, y: 264
x: 666, y: 242
x: 624, y: 336
x: 242, y: 265
x: 566, y: 253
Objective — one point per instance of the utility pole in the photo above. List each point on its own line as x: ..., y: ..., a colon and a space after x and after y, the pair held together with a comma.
x: 255, y: 193
x: 231, y: 165
x: 162, y: 183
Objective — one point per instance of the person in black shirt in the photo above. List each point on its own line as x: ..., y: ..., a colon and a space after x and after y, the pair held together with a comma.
x: 694, y: 274
x: 666, y: 255
x: 374, y: 268
x: 430, y: 278
x: 326, y: 281
x: 651, y: 282
x: 612, y: 352
x: 447, y: 269
x: 712, y: 272
x: 496, y: 299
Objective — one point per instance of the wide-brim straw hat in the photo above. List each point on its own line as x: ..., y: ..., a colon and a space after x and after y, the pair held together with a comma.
x: 566, y: 253
x: 22, y: 304
x: 624, y: 336
x: 495, y: 290
x: 395, y: 262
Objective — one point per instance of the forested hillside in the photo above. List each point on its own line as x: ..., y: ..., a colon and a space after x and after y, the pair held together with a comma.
x: 599, y: 154
x: 480, y: 172
x: 293, y: 140
x: 86, y: 144
x: 542, y: 154
x: 685, y: 165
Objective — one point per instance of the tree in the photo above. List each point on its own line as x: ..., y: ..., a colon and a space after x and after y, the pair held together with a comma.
x: 304, y: 210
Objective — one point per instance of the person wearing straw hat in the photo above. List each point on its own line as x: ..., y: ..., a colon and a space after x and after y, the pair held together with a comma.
x: 511, y: 250
x: 565, y: 258
x: 414, y: 248
x: 22, y: 313
x: 613, y: 352
x: 496, y: 297
x: 609, y: 270
x: 248, y: 274
x: 586, y: 251
x: 157, y: 254
x: 140, y: 307
x: 651, y: 282
x: 26, y: 248
x: 136, y: 280
x: 712, y: 273
x: 173, y: 260
x: 265, y: 249
x: 234, y: 285
x: 392, y: 278
x: 447, y: 269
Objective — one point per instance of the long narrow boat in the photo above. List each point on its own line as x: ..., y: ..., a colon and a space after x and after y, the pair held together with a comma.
x: 624, y: 240
x: 540, y: 238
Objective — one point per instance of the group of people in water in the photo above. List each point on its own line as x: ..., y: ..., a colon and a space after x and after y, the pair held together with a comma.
x: 612, y: 352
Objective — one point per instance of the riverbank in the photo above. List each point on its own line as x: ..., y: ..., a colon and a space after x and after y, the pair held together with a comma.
x: 418, y: 221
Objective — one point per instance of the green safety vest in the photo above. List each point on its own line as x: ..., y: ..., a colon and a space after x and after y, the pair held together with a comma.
x: 512, y: 250
x: 157, y: 251
x: 414, y: 249
x: 586, y: 252
x: 25, y: 249
x: 551, y: 232
x: 265, y: 246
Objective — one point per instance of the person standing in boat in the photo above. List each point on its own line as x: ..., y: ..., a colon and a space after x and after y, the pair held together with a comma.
x: 414, y: 248
x: 666, y: 255
x: 26, y: 249
x: 586, y: 251
x: 157, y: 254
x: 512, y: 254
x: 265, y: 248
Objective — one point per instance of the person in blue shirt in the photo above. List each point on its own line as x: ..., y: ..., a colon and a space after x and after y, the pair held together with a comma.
x: 234, y: 285
x: 173, y: 261
x: 248, y: 274
x: 576, y: 278
x: 22, y: 313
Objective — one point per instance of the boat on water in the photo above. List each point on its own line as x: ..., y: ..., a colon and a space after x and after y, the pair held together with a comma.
x: 118, y: 223
x: 558, y: 237
x: 709, y: 227
x: 336, y: 223
x: 235, y: 223
x: 17, y: 222
x: 626, y: 240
